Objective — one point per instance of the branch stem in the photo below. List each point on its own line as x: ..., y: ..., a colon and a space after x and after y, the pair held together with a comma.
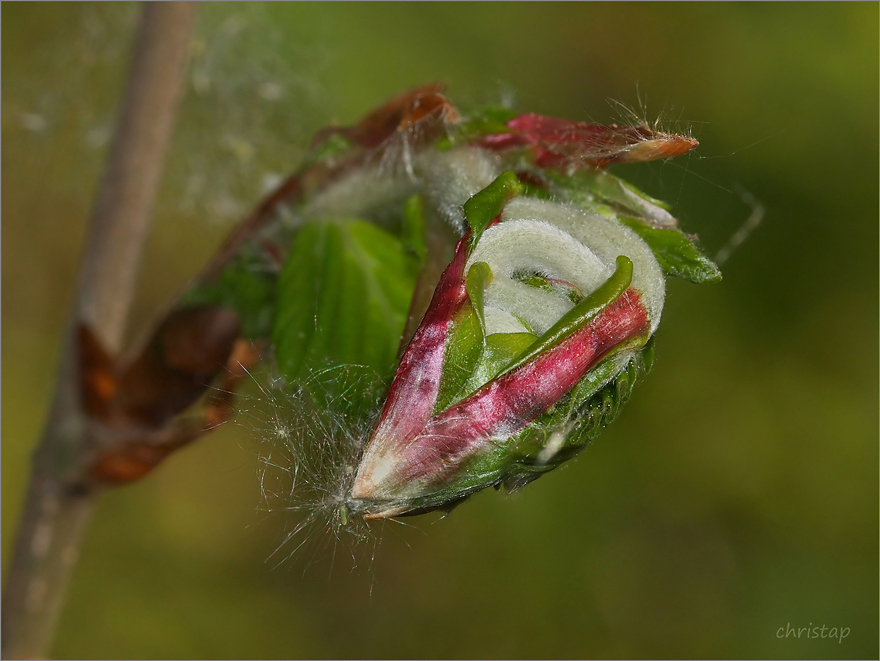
x: 58, y: 504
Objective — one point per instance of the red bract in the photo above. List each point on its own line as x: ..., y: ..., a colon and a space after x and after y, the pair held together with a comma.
x: 414, y: 390
x: 560, y: 142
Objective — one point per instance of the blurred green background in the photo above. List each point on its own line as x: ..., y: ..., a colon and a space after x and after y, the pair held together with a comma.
x: 737, y: 493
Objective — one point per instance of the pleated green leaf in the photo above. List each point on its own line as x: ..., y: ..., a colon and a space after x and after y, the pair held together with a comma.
x: 342, y: 298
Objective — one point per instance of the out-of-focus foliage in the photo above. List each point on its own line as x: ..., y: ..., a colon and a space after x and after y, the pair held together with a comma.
x: 736, y: 496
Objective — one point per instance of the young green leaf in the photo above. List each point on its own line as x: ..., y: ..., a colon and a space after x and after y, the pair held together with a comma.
x: 342, y: 297
x: 463, y: 350
x: 591, y: 187
x: 478, y: 277
x: 483, y: 207
x: 466, y: 343
x: 675, y: 252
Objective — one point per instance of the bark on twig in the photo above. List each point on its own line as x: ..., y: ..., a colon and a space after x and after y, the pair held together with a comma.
x: 58, y: 502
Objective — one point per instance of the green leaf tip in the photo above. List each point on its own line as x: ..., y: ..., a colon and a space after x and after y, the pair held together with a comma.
x: 483, y: 207
x: 675, y: 252
x: 479, y: 277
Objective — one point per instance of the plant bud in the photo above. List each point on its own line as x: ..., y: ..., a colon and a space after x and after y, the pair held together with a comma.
x: 535, y: 335
x: 539, y: 326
